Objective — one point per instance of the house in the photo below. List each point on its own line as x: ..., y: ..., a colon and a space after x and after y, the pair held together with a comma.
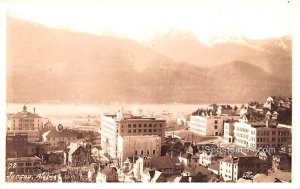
x: 281, y: 162
x: 225, y: 110
x: 208, y: 158
x: 167, y: 165
x: 189, y: 159
x: 78, y: 154
x: 59, y: 138
x: 233, y: 168
x: 107, y: 174
x: 199, y: 174
x: 48, y: 125
x: 150, y: 175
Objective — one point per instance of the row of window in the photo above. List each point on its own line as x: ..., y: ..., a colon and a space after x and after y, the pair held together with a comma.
x: 142, y: 152
x: 140, y: 130
x: 140, y: 125
x: 62, y: 138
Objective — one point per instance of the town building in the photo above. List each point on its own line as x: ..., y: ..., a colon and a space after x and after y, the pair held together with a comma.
x: 233, y: 168
x: 16, y: 145
x: 107, y: 174
x: 207, y: 125
x: 22, y: 165
x: 225, y: 110
x: 166, y: 165
x: 25, y: 121
x: 113, y: 126
x: 152, y: 176
x: 59, y: 138
x: 229, y: 131
x: 78, y: 154
x: 48, y: 125
x: 189, y: 160
x: 207, y: 158
x: 281, y: 162
x: 257, y: 134
x: 135, y: 146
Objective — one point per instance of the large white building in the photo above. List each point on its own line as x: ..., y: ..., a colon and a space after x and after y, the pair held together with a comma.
x: 260, y: 134
x: 24, y: 121
x: 206, y: 125
x: 113, y: 126
x: 135, y: 146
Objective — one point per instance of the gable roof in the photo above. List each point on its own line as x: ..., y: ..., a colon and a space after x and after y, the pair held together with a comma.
x: 25, y: 114
x: 165, y: 162
x: 64, y: 133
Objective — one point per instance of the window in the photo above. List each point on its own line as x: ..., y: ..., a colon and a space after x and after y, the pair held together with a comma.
x: 142, y: 152
x: 160, y: 125
x: 136, y: 153
x: 20, y: 164
x: 134, y: 125
x: 153, y: 152
x: 145, y: 125
x: 129, y: 125
x: 145, y: 130
x: 154, y: 130
x: 216, y: 126
x: 273, y: 132
x: 140, y: 125
x: 148, y: 152
x: 129, y: 131
x: 150, y: 130
x: 154, y: 125
x: 134, y: 130
x: 150, y: 125
x: 216, y: 121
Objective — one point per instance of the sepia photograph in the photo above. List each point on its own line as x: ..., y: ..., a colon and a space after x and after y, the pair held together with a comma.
x: 148, y: 91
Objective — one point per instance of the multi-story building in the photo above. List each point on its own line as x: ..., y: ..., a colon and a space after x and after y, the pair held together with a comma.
x: 22, y: 165
x: 24, y: 121
x: 206, y: 125
x: 256, y: 134
x: 113, y: 126
x: 59, y: 138
x: 134, y: 146
x: 233, y: 168
x: 16, y: 145
x: 229, y: 131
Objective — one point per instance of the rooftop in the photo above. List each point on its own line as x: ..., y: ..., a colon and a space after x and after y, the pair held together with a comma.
x: 25, y: 114
x: 21, y: 159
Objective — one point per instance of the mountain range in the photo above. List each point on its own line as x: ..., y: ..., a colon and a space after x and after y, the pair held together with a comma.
x: 47, y: 64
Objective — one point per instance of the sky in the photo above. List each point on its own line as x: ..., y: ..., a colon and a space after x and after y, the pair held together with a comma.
x: 142, y: 20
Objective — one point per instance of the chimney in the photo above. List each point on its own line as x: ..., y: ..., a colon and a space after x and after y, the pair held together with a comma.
x: 34, y: 110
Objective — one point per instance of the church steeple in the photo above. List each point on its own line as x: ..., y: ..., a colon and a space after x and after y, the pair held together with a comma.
x: 24, y: 108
